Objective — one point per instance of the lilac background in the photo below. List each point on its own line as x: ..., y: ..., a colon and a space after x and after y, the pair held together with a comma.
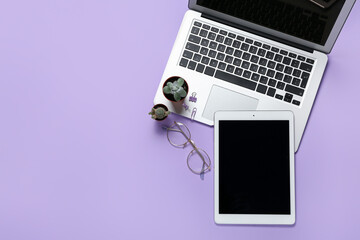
x: 81, y: 159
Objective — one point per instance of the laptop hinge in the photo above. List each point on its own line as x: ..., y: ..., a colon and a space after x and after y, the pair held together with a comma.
x: 265, y: 35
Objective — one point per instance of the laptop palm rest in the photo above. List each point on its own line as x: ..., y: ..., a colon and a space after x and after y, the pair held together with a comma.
x: 224, y: 99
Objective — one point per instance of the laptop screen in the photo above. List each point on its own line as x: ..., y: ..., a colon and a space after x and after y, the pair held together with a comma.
x: 310, y: 20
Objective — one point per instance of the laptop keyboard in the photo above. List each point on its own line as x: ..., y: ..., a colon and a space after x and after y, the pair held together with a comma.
x: 246, y: 62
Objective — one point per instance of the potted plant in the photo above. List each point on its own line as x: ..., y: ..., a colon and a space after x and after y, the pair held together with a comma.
x: 159, y: 112
x: 175, y: 89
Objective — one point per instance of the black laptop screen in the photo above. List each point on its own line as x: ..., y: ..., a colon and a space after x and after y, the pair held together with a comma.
x: 299, y: 18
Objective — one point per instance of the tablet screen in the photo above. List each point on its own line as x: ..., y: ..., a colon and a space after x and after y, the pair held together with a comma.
x: 254, y: 167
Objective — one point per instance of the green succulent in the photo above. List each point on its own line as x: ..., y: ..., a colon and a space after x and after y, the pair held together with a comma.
x: 159, y: 113
x: 176, y: 89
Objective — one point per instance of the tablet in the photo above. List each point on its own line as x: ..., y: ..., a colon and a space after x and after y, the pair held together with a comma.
x: 254, y: 167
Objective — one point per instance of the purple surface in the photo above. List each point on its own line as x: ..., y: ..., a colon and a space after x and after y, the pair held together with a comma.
x: 81, y: 159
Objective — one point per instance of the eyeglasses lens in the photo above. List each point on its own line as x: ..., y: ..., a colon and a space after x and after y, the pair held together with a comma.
x: 198, y: 162
x: 176, y: 137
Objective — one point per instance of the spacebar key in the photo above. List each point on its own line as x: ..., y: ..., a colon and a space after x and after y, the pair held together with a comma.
x: 236, y: 80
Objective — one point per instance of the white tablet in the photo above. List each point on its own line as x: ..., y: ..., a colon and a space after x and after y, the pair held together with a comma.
x: 254, y: 167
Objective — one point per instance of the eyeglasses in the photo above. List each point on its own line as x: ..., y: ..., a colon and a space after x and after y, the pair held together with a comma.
x: 198, y: 161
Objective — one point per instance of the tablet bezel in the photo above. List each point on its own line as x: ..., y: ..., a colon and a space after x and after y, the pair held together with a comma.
x: 254, y: 218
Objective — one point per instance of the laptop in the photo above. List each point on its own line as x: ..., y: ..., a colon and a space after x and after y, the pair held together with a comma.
x: 253, y: 55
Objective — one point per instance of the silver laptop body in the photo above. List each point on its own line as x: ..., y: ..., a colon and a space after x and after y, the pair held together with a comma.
x: 253, y: 55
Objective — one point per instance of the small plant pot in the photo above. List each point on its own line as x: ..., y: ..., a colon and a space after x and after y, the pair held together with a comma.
x: 163, y: 106
x: 170, y: 97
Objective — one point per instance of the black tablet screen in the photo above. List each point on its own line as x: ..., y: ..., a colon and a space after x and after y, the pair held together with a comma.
x: 254, y: 170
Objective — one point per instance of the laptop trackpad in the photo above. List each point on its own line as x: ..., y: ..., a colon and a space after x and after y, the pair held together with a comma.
x: 224, y: 99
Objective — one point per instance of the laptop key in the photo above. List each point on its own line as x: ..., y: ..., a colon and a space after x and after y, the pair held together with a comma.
x: 212, y: 54
x: 188, y: 54
x: 220, y: 56
x: 311, y: 61
x: 204, y: 42
x: 192, y: 47
x: 205, y: 26
x: 203, y: 33
x: 194, y: 39
x: 229, y: 50
x: 232, y: 35
x: 294, y: 90
x: 255, y: 77
x: 272, y: 83
x: 296, y: 81
x: 274, y: 49
x: 192, y: 65
x: 247, y: 74
x: 244, y: 46
x: 213, y: 45
x: 262, y: 61
x: 271, y: 92
x: 211, y: 36
x: 269, y: 55
x: 305, y: 77
x: 263, y: 79
x: 238, y: 71
x: 305, y: 67
x: 279, y: 76
x: 288, y: 70
x: 205, y: 60
x: 256, y: 43
x: 195, y: 30
x: 209, y: 71
x: 230, y: 68
x: 221, y: 48
x: 197, y: 57
x: 301, y: 58
x: 278, y: 96
x: 254, y: 59
x: 296, y: 73
x: 237, y: 62
x: 246, y: 56
x: 241, y: 38
x: 287, y: 79
x: 295, y: 102
x: 253, y: 49
x: 254, y: 67
x: 283, y: 52
x: 279, y: 67
x: 223, y: 32
x: 228, y: 59
x: 228, y: 41
x: 236, y: 44
x: 236, y: 80
x: 200, y: 68
x: 222, y: 66
x: 183, y: 62
x: 295, y: 63
x: 271, y: 64
x: 286, y: 60
x: 262, y: 70
x: 245, y: 65
x: 220, y: 38
x: 237, y: 53
x: 270, y: 73
x: 249, y: 41
x: 266, y: 46
x: 214, y: 29
x: 261, y: 88
x: 278, y: 58
x: 261, y: 52
x: 280, y: 85
x: 197, y: 24
x: 293, y: 55
x: 213, y: 63
x: 204, y: 51
x: 288, y: 97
